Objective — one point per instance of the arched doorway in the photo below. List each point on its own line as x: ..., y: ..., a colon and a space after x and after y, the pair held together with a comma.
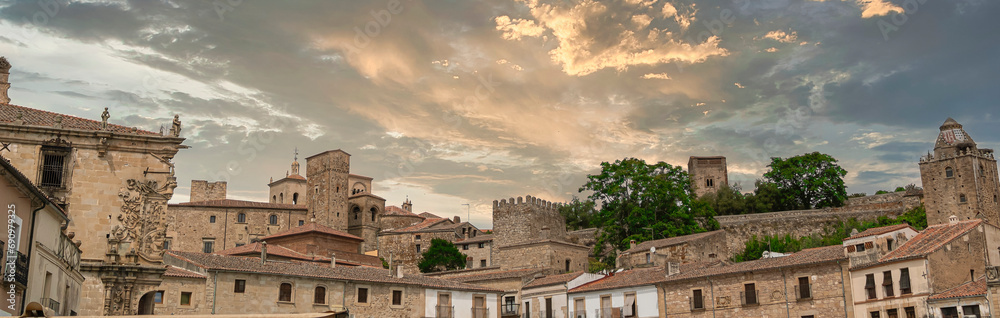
x: 146, y: 303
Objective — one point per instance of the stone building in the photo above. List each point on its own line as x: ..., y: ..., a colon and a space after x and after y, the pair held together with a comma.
x: 546, y: 296
x: 959, y: 178
x: 808, y: 283
x: 114, y: 183
x: 966, y: 300
x: 707, y: 174
x: 530, y: 233
x: 406, y: 245
x: 700, y: 247
x: 341, y: 200
x: 291, y: 188
x: 4, y: 80
x: 478, y: 250
x: 44, y: 261
x: 631, y: 293
x: 203, y: 284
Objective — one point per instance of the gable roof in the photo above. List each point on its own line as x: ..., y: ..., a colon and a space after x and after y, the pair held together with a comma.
x: 253, y: 249
x: 348, y: 273
x: 880, y: 230
x: 312, y: 227
x: 629, y: 278
x: 969, y: 289
x: 804, y: 257
x: 428, y: 215
x: 229, y: 203
x: 395, y: 210
x: 37, y: 117
x: 553, y: 280
x: 174, y: 271
x: 477, y: 239
x: 929, y: 240
x: 423, y: 226
x: 507, y: 274
x: 644, y: 246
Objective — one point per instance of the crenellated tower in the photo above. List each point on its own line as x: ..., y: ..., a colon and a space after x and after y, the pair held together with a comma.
x: 327, y: 175
x: 4, y: 80
x: 959, y: 178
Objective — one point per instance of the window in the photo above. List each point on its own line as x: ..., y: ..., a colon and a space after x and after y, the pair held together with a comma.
x: 567, y: 264
x: 971, y: 310
x: 397, y: 298
x: 241, y: 218
x: 911, y: 312
x: 580, y: 307
x: 605, y: 305
x: 185, y: 298
x: 630, y: 308
x: 302, y: 222
x: 465, y: 246
x: 548, y: 308
x: 208, y: 247
x: 803, y: 288
x: 948, y: 173
x: 904, y: 281
x: 274, y: 199
x: 240, y: 286
x: 749, y: 294
x: 158, y: 297
x: 53, y: 166
x: 697, y: 300
x: 239, y: 244
x: 482, y: 263
x: 273, y: 219
x: 481, y: 244
x: 285, y: 292
x: 418, y: 248
x: 418, y: 237
x: 887, y: 283
x: 874, y: 314
x: 374, y: 212
x: 892, y: 313
x: 888, y: 244
x: 647, y: 258
x: 808, y: 316
x: 949, y: 312
x: 281, y: 198
x: 166, y: 245
x: 319, y: 296
x: 859, y: 247
x: 870, y: 286
x: 295, y: 198
x: 962, y: 198
x: 211, y: 219
x: 709, y: 183
x: 362, y: 295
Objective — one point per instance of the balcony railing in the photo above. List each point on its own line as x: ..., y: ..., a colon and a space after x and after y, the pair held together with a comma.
x: 613, y: 312
x: 480, y: 312
x: 445, y: 312
x: 748, y: 299
x: 802, y: 292
x: 51, y: 304
x: 509, y: 309
x: 696, y: 305
x: 577, y: 314
x: 20, y: 270
x: 866, y: 257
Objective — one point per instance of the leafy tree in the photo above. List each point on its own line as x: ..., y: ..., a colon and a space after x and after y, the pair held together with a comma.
x: 579, y: 214
x: 900, y: 189
x: 768, y: 198
x: 881, y: 192
x: 812, y: 180
x: 636, y: 196
x: 442, y: 255
x: 727, y: 200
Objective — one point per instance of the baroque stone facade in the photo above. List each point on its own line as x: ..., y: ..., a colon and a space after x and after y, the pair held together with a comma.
x: 959, y: 178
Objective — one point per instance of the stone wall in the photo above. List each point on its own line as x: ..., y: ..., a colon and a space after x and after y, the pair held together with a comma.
x: 320, y: 245
x: 713, y: 247
x: 959, y: 261
x: 525, y: 220
x: 775, y: 290
x: 475, y: 254
x: 702, y: 169
x: 202, y: 190
x: 390, y: 222
x: 327, y: 185
x: 402, y: 247
x: 190, y: 226
x: 544, y: 254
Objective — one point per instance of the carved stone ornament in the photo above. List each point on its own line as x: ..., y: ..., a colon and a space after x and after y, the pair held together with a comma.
x: 142, y: 217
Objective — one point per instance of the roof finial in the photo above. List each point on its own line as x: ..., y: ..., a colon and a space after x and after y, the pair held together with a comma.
x: 296, y: 153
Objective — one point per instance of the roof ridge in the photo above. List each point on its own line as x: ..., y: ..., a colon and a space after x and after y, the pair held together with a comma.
x: 80, y: 118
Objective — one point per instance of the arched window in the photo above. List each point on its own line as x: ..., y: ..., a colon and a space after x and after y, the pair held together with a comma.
x: 948, y: 173
x: 273, y: 219
x: 274, y: 199
x: 295, y: 198
x: 319, y: 297
x: 374, y: 212
x: 285, y: 292
x: 281, y: 198
x: 567, y: 264
x: 709, y: 183
x: 241, y: 218
x: 962, y: 198
x: 356, y: 211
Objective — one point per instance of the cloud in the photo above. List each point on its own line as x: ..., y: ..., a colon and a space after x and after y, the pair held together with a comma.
x: 781, y: 36
x: 655, y: 76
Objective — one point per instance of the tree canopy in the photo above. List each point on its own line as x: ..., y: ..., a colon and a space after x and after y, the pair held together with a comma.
x: 809, y: 181
x: 641, y: 201
x: 579, y: 214
x: 441, y: 256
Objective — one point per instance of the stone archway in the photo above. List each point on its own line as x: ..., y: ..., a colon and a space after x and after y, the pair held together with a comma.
x: 147, y: 303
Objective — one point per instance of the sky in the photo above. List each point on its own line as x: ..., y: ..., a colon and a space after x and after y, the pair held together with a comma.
x: 457, y: 102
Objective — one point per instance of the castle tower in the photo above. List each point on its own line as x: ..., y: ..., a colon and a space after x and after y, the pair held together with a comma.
x: 707, y: 174
x: 408, y: 206
x: 366, y: 211
x: 327, y: 187
x: 291, y: 188
x: 959, y: 178
x: 4, y: 80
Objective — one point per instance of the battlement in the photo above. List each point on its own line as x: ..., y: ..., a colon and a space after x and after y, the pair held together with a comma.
x: 526, y: 201
x: 981, y: 153
x: 525, y: 220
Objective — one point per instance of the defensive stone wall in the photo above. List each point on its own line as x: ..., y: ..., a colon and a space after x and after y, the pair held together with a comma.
x: 202, y: 190
x: 525, y: 220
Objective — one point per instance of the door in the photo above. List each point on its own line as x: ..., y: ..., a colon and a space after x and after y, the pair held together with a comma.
x: 605, y: 307
x: 579, y: 308
x: 527, y: 309
x: 146, y: 303
x: 479, y: 307
x: 444, y: 309
x: 548, y: 308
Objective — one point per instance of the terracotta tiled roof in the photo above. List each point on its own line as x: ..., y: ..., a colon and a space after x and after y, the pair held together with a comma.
x: 516, y: 273
x: 804, y: 257
x: 969, y: 289
x: 349, y: 273
x: 428, y: 215
x: 296, y: 177
x: 227, y: 203
x: 36, y: 117
x: 360, y: 176
x: 644, y: 246
x: 629, y: 278
x: 174, y: 271
x: 311, y: 227
x: 395, y: 210
x: 366, y: 194
x: 880, y: 231
x: 346, y: 258
x: 929, y: 240
x: 426, y: 223
x: 477, y: 239
x: 553, y: 280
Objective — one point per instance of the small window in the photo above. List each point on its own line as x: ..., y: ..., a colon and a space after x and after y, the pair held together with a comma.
x: 465, y: 246
x: 53, y: 166
x: 211, y: 219
x: 374, y: 212
x: 274, y: 199
x: 158, y: 297
x: 859, y: 247
x: 166, y: 245
x: 285, y: 292
x: 911, y: 312
x: 709, y: 183
x: 697, y: 300
x: 239, y: 244
x: 241, y: 218
x: 418, y: 236
x: 240, y: 286
x: 567, y: 264
x: 948, y: 172
x: 397, y: 298
x: 281, y: 198
x: 418, y: 248
x: 185, y: 298
x: 749, y: 294
x: 962, y: 198
x: 209, y: 247
x: 888, y: 244
x: 803, y: 289
x: 481, y: 244
x: 949, y: 312
x: 295, y: 198
x: 302, y: 222
x: 319, y: 297
x: 273, y: 219
x: 362, y: 295
x: 482, y: 263
x: 647, y: 258
x: 892, y: 313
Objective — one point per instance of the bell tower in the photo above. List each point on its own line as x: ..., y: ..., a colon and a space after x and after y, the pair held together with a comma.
x: 959, y: 178
x: 4, y: 80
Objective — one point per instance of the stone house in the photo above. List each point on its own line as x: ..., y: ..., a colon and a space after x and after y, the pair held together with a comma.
x: 808, y: 283
x: 631, y: 293
x: 966, y: 300
x: 309, y: 243
x: 406, y: 245
x: 245, y: 285
x: 478, y: 250
x: 938, y: 259
x: 546, y: 296
x: 41, y: 260
x: 700, y: 247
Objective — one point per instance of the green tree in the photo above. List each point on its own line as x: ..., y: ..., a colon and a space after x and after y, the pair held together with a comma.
x: 809, y: 181
x: 636, y: 196
x: 441, y: 256
x: 727, y: 200
x: 769, y: 198
x: 579, y: 214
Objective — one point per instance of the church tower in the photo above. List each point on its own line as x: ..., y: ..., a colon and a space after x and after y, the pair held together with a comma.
x: 327, y: 187
x: 4, y: 80
x: 959, y: 178
x: 291, y: 189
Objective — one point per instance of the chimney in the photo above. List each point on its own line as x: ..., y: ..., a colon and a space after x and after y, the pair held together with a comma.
x: 333, y: 260
x: 458, y: 219
x: 399, y: 271
x: 631, y: 244
x: 4, y: 80
x: 263, y: 252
